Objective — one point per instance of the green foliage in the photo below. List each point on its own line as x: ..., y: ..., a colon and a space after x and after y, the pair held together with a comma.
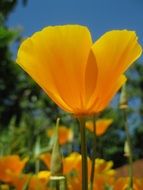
x: 6, y: 36
x: 6, y: 6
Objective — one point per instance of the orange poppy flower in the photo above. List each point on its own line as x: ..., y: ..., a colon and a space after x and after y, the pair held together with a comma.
x: 40, y: 181
x: 103, y: 167
x: 19, y: 181
x: 80, y: 76
x: 34, y: 182
x: 65, y: 134
x: 9, y: 166
x: 70, y: 163
x: 122, y: 184
x: 74, y: 183
x: 104, y: 174
x: 101, y: 126
x: 73, y: 163
x: 46, y: 158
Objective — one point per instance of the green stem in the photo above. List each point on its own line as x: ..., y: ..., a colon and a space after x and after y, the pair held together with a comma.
x: 84, y: 154
x: 57, y: 180
x: 58, y: 183
x: 37, y: 166
x: 93, y: 155
x: 130, y: 156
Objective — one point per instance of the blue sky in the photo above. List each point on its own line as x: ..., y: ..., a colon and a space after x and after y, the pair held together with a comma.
x: 99, y: 15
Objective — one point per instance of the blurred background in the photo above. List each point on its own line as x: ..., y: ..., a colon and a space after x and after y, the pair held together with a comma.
x: 26, y: 112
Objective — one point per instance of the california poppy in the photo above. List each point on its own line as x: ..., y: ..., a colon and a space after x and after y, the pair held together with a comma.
x: 80, y: 76
x: 101, y: 126
x: 38, y: 181
x: 11, y: 165
x: 65, y: 134
x: 122, y: 184
x: 70, y: 163
x: 72, y: 169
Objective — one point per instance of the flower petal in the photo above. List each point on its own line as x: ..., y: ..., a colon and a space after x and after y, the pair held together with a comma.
x: 102, y: 102
x: 72, y: 162
x: 101, y: 126
x: 91, y: 73
x: 115, y: 51
x: 56, y: 58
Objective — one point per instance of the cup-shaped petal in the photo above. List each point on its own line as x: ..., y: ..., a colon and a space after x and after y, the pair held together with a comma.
x: 114, y: 52
x: 56, y: 58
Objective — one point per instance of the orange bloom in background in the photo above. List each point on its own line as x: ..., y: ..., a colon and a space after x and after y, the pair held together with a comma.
x: 74, y: 183
x: 34, y: 182
x: 9, y: 166
x: 122, y: 184
x: 46, y: 158
x: 19, y: 181
x: 71, y: 168
x: 79, y: 75
x: 103, y: 167
x: 104, y: 174
x: 70, y: 163
x: 64, y: 134
x: 73, y: 163
x: 40, y: 180
x: 101, y: 126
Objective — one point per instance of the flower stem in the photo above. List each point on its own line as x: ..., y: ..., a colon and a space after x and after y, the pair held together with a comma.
x: 93, y: 155
x: 130, y: 155
x: 58, y: 183
x: 37, y: 166
x: 84, y: 154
